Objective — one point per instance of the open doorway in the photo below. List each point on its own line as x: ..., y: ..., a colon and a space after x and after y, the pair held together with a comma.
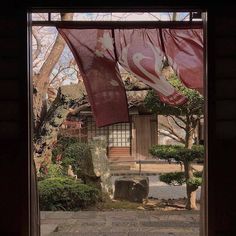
x: 125, y: 141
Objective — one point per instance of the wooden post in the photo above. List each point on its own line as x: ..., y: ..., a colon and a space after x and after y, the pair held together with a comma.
x: 139, y: 167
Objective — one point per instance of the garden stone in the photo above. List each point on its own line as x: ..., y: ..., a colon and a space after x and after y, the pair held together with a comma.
x: 101, y: 164
x: 94, y: 169
x: 132, y: 188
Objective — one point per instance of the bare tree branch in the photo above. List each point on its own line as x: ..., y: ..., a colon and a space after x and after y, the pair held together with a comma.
x: 38, y: 45
x: 154, y: 16
x: 170, y: 136
x: 41, y: 80
x: 185, y: 17
x: 172, y: 132
x: 78, y: 109
x: 182, y: 119
x: 176, y: 122
x: 54, y: 55
x: 170, y: 125
x: 60, y: 70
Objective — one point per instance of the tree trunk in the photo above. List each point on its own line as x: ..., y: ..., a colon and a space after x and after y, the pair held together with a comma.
x: 189, y: 136
x: 47, y: 135
x: 191, y: 191
x: 203, y: 205
x: 41, y: 80
x: 191, y: 198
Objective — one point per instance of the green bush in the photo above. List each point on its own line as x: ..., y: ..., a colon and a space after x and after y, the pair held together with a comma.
x: 51, y: 171
x: 177, y: 152
x: 63, y: 193
x: 197, y: 174
x: 61, y: 145
x: 77, y: 154
x: 54, y: 170
x: 195, y: 182
x: 71, y: 152
x: 173, y: 178
x: 178, y: 178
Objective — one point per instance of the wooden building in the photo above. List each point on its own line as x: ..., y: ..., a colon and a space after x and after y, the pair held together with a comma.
x: 125, y: 141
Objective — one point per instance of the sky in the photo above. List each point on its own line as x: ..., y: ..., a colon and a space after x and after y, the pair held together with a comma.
x: 117, y: 16
x: 47, y: 35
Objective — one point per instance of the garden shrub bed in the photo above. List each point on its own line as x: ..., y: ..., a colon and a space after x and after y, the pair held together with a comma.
x: 62, y: 193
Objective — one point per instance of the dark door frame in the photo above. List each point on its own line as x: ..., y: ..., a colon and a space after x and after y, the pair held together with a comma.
x: 59, y: 8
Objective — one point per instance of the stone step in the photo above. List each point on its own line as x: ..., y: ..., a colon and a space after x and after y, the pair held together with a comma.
x: 138, y: 233
x: 119, y: 167
x: 125, y: 223
x: 132, y: 226
x: 132, y: 172
x: 126, y: 233
x: 162, y: 228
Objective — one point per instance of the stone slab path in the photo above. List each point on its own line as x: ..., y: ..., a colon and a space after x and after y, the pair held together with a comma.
x: 120, y: 223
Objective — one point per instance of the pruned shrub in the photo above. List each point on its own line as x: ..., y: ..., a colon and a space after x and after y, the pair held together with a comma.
x: 186, y: 156
x: 177, y: 152
x: 195, y: 182
x: 173, y: 178
x: 178, y: 178
x: 66, y: 194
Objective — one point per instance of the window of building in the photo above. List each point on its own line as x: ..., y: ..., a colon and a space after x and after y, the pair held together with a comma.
x: 118, y: 135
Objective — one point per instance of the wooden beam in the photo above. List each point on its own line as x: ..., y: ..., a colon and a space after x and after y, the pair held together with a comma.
x: 121, y: 24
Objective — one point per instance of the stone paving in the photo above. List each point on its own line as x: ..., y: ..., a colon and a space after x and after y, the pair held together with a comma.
x: 120, y: 223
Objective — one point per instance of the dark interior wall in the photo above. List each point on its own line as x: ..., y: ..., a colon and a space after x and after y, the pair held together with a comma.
x: 13, y: 124
x: 14, y: 119
x: 222, y: 119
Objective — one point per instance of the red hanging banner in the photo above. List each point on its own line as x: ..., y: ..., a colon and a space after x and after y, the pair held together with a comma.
x: 94, y: 53
x: 184, y: 50
x: 139, y: 51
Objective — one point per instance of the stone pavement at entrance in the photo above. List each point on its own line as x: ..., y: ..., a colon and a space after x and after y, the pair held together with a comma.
x: 120, y: 223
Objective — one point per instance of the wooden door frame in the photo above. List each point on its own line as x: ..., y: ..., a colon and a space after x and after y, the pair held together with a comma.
x: 54, y: 7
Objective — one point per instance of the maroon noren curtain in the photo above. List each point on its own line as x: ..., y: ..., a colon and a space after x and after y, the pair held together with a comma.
x: 184, y: 50
x: 139, y: 52
x: 94, y: 53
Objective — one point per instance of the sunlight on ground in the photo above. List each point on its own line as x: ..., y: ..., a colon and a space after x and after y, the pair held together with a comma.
x: 164, y: 168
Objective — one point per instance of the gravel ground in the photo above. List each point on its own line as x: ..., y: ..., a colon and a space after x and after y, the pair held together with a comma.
x: 160, y: 190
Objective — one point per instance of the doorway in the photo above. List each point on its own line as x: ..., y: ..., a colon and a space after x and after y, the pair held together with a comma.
x: 50, y: 18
